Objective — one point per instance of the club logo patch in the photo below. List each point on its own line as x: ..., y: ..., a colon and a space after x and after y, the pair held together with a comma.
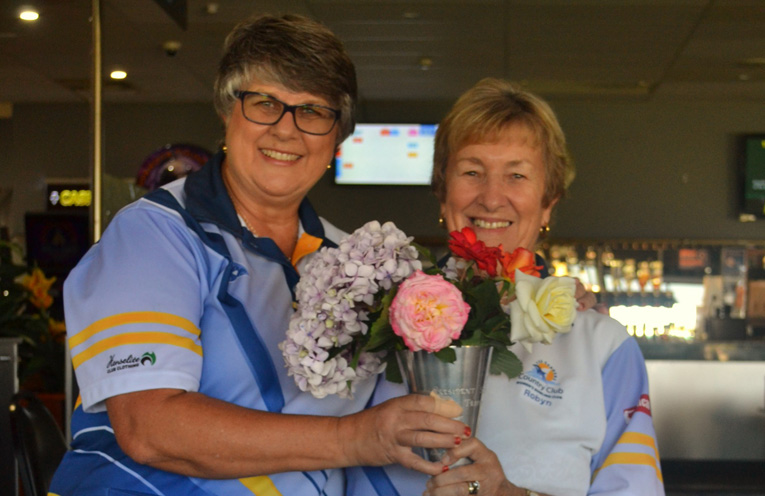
x: 541, y: 384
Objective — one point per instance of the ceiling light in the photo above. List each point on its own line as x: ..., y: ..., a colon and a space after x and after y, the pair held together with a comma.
x: 743, y: 77
x: 28, y: 14
x: 753, y: 61
x: 118, y: 74
x: 425, y: 63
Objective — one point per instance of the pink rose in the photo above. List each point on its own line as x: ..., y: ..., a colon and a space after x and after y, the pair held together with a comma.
x: 428, y: 312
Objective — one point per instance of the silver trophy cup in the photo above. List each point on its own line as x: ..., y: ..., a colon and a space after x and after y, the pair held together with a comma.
x: 462, y: 381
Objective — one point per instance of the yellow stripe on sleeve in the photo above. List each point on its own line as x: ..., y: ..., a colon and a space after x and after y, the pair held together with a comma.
x: 638, y: 438
x: 133, y: 318
x: 135, y: 338
x: 630, y: 459
x: 260, y: 486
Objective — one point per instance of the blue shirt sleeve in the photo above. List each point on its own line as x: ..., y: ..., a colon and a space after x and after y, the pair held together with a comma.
x: 133, y: 319
x: 628, y: 460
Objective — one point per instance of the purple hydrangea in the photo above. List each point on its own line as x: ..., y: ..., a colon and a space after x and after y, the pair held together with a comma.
x: 338, y: 289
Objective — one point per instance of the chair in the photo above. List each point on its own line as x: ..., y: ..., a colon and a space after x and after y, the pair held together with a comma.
x: 38, y: 443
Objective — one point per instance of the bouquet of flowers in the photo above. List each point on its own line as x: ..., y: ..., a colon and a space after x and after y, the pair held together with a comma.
x: 360, y: 302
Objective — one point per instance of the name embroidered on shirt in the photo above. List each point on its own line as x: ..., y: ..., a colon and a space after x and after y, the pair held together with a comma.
x: 540, y: 384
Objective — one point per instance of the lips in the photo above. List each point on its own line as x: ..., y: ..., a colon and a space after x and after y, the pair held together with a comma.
x: 287, y: 157
x: 484, y: 224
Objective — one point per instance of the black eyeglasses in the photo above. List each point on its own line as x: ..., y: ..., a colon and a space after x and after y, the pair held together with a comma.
x: 262, y: 108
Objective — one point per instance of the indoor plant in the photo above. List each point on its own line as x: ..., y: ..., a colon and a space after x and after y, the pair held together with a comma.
x: 26, y: 298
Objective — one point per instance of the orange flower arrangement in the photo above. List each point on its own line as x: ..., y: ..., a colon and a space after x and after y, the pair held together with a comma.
x: 39, y: 288
x: 26, y: 298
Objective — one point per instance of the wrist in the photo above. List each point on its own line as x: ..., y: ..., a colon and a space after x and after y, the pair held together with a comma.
x: 510, y: 489
x: 344, y: 435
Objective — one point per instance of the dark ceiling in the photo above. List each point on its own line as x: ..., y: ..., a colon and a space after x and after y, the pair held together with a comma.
x: 596, y: 49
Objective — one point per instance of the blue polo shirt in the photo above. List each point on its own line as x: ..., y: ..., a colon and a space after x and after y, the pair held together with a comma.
x: 177, y: 294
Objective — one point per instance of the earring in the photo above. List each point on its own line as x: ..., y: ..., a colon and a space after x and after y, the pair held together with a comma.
x: 329, y: 166
x: 441, y: 222
x: 224, y: 148
x: 544, y: 231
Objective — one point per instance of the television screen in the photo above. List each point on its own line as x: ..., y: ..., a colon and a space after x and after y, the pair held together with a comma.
x: 752, y: 152
x: 386, y: 154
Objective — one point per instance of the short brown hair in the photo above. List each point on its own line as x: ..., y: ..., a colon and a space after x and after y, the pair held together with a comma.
x: 487, y: 108
x: 293, y: 51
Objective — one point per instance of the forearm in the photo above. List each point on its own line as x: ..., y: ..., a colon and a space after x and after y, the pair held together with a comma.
x: 195, y: 435
x: 192, y: 434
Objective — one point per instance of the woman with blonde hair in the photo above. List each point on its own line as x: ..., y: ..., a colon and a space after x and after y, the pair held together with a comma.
x: 577, y: 420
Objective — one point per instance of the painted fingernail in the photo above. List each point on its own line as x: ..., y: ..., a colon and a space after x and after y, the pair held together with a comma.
x: 445, y: 468
x: 457, y: 440
x: 468, y: 431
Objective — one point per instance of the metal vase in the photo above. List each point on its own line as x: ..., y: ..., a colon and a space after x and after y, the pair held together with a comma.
x: 463, y: 381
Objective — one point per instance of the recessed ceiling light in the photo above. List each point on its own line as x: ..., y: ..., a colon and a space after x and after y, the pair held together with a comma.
x: 743, y: 77
x: 753, y: 61
x: 118, y: 74
x: 411, y: 14
x: 425, y: 63
x: 28, y: 14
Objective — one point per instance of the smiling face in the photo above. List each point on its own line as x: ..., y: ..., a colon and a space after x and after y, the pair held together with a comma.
x: 276, y: 165
x: 497, y: 188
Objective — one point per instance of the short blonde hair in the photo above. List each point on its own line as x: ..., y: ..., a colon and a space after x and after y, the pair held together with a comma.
x: 483, y: 112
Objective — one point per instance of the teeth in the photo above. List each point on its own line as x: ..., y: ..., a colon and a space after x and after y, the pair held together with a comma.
x: 490, y: 225
x: 279, y: 155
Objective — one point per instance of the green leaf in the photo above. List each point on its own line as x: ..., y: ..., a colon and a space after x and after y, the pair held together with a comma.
x: 392, y: 371
x: 447, y: 355
x: 427, y: 255
x: 504, y: 361
x: 475, y: 339
x: 484, y: 299
x: 380, y: 332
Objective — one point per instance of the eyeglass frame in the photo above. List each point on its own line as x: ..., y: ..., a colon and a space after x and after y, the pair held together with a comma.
x: 242, y: 94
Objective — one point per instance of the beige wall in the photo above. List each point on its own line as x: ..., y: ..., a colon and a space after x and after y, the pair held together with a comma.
x: 645, y: 169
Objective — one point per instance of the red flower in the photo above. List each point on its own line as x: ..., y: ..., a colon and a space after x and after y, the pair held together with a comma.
x: 465, y: 244
x: 520, y: 259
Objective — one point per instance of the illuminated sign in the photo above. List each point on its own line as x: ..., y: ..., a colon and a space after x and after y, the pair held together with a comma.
x: 68, y: 196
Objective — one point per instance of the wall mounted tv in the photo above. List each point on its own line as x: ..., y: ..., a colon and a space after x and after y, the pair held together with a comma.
x: 752, y: 165
x: 386, y: 154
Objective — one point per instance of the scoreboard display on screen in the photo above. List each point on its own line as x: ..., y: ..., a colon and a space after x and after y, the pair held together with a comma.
x: 752, y: 153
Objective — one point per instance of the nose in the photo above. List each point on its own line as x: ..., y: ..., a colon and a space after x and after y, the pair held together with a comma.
x: 285, y: 126
x: 492, y: 196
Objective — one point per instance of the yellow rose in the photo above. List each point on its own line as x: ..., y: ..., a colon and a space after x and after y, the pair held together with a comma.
x: 542, y: 308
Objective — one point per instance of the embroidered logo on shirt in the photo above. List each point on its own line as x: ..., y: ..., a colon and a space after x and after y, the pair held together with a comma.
x: 114, y: 364
x: 644, y: 406
x: 541, y: 384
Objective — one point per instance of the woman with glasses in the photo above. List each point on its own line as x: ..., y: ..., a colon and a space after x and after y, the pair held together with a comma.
x: 175, y: 316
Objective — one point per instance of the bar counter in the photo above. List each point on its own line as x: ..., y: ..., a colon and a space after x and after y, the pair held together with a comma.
x: 708, y: 406
x: 721, y: 351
